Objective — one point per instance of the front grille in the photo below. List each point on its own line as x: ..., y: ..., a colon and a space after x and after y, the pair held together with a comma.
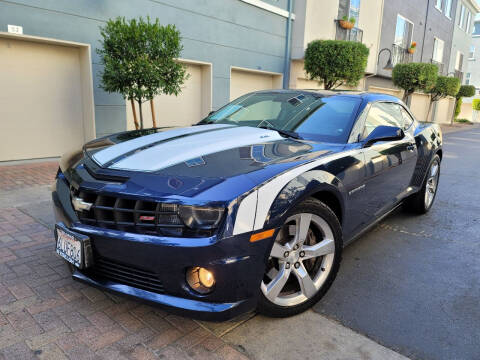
x: 111, y: 270
x: 138, y: 216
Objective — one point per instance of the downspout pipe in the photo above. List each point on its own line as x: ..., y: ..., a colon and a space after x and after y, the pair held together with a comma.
x: 288, y: 44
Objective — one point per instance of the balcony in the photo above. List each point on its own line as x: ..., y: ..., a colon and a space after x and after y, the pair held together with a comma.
x: 400, y: 55
x: 353, y: 34
x: 439, y: 65
x: 459, y: 75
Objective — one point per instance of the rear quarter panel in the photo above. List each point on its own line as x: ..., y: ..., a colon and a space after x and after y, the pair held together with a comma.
x: 429, y: 140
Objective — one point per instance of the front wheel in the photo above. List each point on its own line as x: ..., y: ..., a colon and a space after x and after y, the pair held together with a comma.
x: 303, y: 262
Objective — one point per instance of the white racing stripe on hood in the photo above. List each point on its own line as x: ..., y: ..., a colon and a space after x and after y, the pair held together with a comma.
x: 104, y: 156
x: 180, y: 150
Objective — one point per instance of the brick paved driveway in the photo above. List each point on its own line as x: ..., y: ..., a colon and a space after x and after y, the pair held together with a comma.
x: 45, y: 314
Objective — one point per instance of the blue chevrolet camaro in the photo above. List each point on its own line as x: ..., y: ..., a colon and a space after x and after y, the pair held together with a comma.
x: 248, y: 209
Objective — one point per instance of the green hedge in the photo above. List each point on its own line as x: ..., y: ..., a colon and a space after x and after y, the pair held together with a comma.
x: 415, y: 76
x: 476, y: 104
x: 336, y: 62
x: 466, y: 91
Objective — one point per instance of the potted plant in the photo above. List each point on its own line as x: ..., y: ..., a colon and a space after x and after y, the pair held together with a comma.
x: 412, y: 47
x: 347, y: 23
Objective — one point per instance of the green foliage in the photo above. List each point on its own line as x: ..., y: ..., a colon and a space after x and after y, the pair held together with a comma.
x: 345, y: 18
x: 335, y: 63
x: 476, y: 104
x: 444, y: 86
x: 466, y: 91
x: 414, y: 76
x: 465, y: 121
x: 458, y: 107
x: 352, y: 20
x: 139, y: 58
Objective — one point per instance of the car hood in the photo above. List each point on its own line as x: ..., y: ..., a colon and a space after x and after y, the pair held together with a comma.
x: 194, y: 161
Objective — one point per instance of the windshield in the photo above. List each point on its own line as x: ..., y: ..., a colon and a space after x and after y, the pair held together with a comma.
x: 311, y: 116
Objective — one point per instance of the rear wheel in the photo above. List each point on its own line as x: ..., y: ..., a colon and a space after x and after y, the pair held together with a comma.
x: 303, y: 262
x: 422, y: 201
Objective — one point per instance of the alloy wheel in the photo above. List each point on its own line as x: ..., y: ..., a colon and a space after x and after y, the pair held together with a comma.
x: 432, y: 183
x: 300, y: 261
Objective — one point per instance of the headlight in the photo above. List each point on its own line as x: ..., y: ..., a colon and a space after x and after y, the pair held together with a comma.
x: 199, y: 217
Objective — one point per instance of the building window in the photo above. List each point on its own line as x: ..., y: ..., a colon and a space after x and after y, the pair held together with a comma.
x: 349, y: 8
x: 459, y: 61
x: 476, y: 28
x: 467, y: 78
x: 469, y: 19
x: 438, y: 4
x: 438, y: 50
x: 448, y: 8
x: 403, y: 32
x: 471, y: 55
x: 461, y: 18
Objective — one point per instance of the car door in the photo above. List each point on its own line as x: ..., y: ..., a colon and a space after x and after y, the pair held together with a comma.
x: 389, y: 165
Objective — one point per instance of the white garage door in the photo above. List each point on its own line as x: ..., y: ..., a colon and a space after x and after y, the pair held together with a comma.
x: 242, y: 82
x: 40, y: 100
x: 182, y: 110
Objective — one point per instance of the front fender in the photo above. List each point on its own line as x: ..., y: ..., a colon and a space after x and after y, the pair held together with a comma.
x: 300, y: 188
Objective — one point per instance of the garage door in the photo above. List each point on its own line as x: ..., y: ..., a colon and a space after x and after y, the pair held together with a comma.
x: 183, y: 110
x: 40, y: 100
x: 242, y: 82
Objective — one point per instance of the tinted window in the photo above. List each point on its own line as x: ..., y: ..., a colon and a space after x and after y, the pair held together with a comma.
x: 386, y: 114
x: 312, y: 116
x: 407, y: 119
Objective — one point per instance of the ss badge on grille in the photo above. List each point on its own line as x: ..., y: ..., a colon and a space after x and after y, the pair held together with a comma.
x: 81, y: 205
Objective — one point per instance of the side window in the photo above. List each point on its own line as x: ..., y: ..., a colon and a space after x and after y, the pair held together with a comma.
x: 407, y: 119
x: 386, y: 114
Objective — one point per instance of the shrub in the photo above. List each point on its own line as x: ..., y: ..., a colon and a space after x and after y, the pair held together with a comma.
x: 139, y: 59
x: 444, y: 86
x: 466, y: 91
x: 476, y: 104
x: 458, y: 107
x: 335, y: 62
x: 414, y: 76
x: 465, y: 121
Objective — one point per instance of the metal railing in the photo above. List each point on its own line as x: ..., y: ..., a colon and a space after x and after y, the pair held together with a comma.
x: 439, y: 65
x: 353, y: 34
x: 400, y: 55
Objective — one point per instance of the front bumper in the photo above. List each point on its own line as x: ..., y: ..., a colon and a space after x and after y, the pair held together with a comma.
x: 237, y: 264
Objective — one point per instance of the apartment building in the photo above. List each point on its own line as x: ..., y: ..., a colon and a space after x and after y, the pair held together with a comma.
x: 472, y: 74
x: 462, y: 44
x: 51, y: 98
x: 320, y: 20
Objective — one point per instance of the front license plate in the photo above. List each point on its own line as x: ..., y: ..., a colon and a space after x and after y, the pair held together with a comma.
x: 69, y: 247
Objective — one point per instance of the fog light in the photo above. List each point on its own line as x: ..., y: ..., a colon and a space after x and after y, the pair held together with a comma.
x: 200, y: 279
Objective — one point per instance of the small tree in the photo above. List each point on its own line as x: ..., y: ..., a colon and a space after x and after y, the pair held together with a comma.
x: 413, y: 77
x: 465, y: 91
x: 139, y: 59
x: 335, y: 63
x: 444, y: 86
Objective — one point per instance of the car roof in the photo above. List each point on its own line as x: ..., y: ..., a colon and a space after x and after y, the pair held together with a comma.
x: 364, y: 95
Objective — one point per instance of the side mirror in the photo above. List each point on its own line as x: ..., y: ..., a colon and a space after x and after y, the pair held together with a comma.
x: 383, y: 133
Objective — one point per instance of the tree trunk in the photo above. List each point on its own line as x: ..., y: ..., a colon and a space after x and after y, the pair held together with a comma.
x: 429, y: 109
x: 454, y: 109
x: 153, y: 113
x: 405, y: 96
x: 135, y: 121
x: 141, y: 113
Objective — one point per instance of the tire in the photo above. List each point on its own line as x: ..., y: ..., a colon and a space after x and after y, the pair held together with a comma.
x: 288, y: 264
x: 418, y: 202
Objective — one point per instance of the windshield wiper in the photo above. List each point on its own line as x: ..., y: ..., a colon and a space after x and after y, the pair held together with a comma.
x: 286, y: 133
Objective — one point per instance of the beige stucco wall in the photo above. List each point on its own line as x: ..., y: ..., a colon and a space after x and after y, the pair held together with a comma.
x: 444, y: 110
x: 381, y: 90
x: 315, y: 20
x: 419, y: 104
x: 466, y: 111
